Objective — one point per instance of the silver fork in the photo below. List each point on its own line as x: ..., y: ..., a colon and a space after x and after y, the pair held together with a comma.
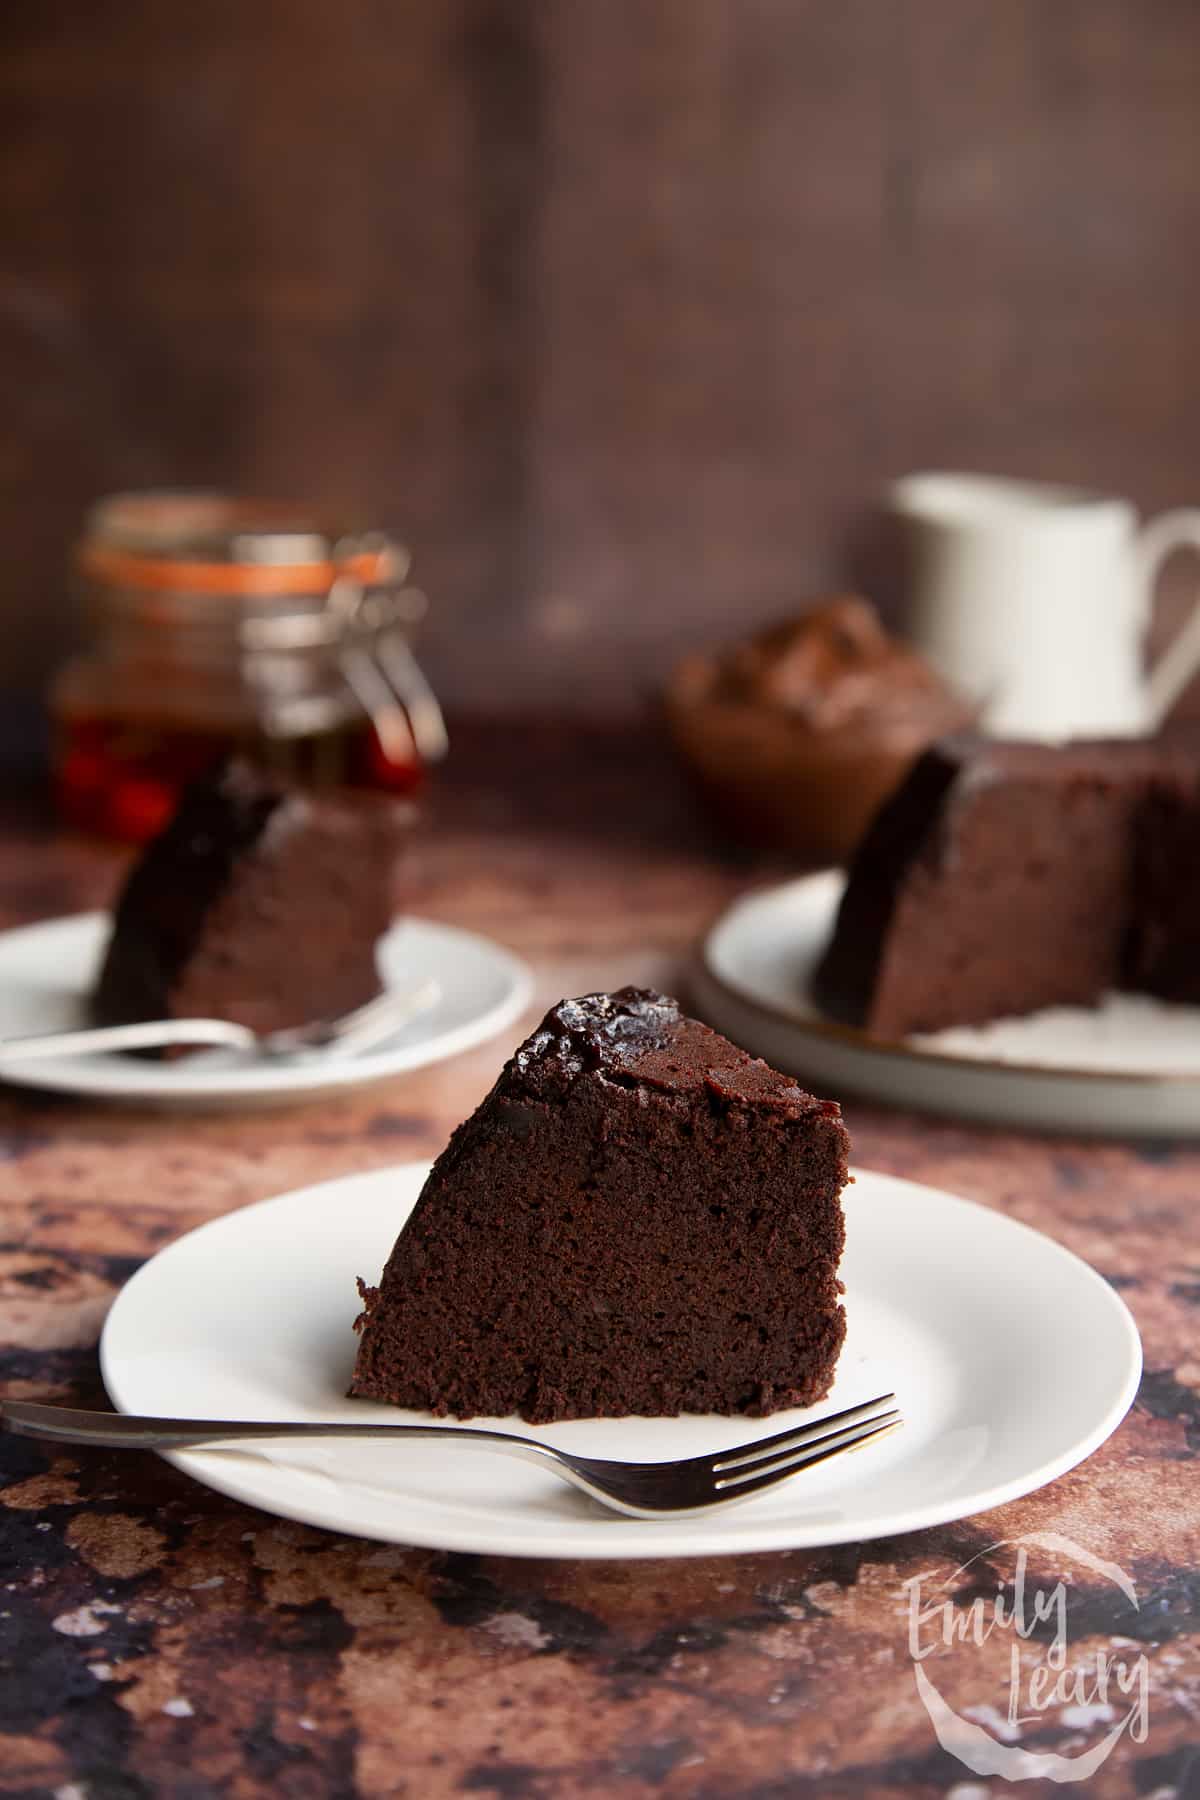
x: 657, y: 1490
x: 351, y: 1032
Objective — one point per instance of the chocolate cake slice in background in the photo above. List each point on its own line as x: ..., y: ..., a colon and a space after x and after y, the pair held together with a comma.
x: 1162, y: 947
x: 639, y: 1218
x: 259, y: 902
x: 1005, y: 877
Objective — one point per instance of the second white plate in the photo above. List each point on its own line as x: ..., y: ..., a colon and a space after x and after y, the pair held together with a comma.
x: 1011, y: 1358
x: 47, y: 971
x: 1129, y: 1068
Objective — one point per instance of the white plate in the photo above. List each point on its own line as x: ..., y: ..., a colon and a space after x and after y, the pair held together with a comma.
x: 1011, y: 1358
x: 1129, y: 1068
x: 46, y: 972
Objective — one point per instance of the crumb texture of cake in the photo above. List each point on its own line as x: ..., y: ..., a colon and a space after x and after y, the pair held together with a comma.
x: 640, y: 1218
x: 260, y: 902
x: 1005, y: 877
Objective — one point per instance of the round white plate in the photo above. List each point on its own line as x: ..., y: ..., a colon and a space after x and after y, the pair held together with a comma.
x: 47, y: 971
x: 1129, y: 1068
x: 1012, y: 1361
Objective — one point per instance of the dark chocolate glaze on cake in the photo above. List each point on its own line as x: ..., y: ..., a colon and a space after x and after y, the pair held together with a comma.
x: 638, y: 1034
x: 640, y: 1218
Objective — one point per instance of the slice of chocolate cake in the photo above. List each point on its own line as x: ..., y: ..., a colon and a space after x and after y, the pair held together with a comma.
x: 1162, y: 947
x: 640, y: 1218
x: 259, y: 903
x: 1006, y: 877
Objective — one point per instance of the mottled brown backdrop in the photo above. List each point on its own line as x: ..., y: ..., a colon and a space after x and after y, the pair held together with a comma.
x: 621, y: 309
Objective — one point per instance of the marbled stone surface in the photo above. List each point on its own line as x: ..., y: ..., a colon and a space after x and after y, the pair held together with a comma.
x: 160, y: 1640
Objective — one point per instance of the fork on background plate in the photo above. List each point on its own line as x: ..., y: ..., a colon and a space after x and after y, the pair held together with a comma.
x: 349, y: 1034
x: 642, y: 1490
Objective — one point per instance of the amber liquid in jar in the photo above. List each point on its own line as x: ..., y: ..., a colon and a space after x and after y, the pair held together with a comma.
x: 221, y: 625
x: 122, y: 778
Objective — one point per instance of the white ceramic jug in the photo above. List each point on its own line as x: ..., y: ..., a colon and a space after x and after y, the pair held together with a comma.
x: 1034, y: 601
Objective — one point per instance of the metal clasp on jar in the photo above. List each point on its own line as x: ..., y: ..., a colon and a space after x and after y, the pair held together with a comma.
x: 361, y: 632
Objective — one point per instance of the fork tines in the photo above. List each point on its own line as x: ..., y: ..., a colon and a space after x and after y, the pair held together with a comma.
x: 770, y: 1459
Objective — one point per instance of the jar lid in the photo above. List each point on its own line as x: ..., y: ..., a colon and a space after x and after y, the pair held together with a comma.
x: 215, y: 544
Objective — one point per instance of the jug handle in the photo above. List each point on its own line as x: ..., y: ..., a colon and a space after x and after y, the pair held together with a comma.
x: 1177, y: 664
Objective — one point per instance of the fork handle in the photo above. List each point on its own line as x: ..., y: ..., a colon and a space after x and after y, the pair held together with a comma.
x: 152, y: 1034
x: 130, y: 1431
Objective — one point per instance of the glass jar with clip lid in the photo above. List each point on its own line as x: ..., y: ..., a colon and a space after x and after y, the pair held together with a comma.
x: 217, y: 624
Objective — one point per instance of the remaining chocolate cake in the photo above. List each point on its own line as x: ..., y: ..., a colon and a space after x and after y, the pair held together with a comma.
x: 797, y: 734
x: 259, y: 903
x: 1006, y: 877
x: 1162, y: 947
x: 640, y: 1218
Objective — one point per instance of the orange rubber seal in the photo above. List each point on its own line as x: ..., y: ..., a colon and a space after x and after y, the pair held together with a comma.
x: 237, y: 580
